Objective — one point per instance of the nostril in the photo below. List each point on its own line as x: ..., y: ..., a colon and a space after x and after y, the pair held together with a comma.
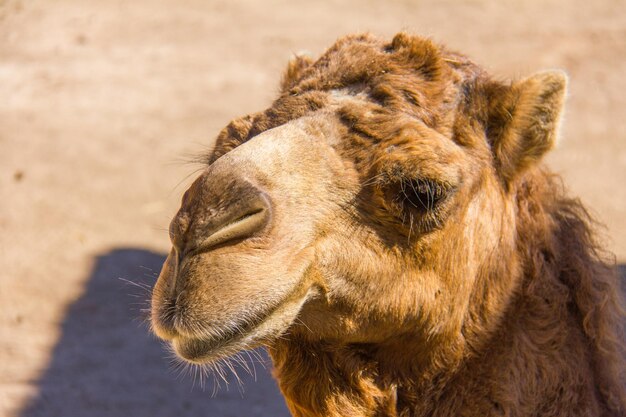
x: 239, y: 224
x: 178, y: 228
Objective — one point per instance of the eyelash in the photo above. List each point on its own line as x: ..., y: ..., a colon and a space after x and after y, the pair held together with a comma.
x: 423, y: 195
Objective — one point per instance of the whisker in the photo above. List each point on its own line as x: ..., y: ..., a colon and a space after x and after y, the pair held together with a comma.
x: 141, y: 285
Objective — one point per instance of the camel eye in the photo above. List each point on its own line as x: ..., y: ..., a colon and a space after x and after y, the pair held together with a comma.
x: 421, y: 194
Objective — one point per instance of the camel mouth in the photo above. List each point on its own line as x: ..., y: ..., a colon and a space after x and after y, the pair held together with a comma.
x: 208, y: 349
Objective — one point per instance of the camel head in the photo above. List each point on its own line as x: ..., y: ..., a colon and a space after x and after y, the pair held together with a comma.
x: 372, y: 203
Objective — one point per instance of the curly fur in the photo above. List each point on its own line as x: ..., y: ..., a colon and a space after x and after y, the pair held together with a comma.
x: 556, y: 346
x: 518, y: 310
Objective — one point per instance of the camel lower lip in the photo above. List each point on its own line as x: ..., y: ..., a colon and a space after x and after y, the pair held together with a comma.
x: 202, y: 350
x: 210, y: 349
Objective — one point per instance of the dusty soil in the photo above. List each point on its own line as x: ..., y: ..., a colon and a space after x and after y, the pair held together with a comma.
x: 101, y: 102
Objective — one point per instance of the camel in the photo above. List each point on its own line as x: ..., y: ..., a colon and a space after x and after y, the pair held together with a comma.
x: 387, y: 230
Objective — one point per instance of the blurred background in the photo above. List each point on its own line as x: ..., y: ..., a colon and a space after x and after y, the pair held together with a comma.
x: 102, y: 102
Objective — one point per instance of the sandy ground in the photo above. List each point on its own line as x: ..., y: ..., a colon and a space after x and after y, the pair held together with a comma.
x: 102, y: 101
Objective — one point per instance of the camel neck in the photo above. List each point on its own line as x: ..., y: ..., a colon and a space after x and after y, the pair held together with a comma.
x: 323, y: 379
x: 338, y: 380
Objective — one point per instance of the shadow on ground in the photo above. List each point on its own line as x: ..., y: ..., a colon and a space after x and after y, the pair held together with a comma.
x: 107, y: 364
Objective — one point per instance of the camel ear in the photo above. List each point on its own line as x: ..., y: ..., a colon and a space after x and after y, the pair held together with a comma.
x: 524, y: 122
x: 295, y: 68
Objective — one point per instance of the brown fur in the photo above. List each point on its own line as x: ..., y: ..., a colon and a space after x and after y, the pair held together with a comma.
x: 494, y: 298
